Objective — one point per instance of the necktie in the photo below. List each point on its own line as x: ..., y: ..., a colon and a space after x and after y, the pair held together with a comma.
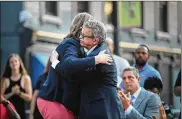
x: 132, y: 100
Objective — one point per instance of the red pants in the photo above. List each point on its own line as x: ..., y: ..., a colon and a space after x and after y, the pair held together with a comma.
x: 3, y: 111
x: 53, y: 110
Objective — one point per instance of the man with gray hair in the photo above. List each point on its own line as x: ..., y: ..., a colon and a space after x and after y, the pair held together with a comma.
x: 141, y: 104
x: 99, y: 98
x: 120, y: 62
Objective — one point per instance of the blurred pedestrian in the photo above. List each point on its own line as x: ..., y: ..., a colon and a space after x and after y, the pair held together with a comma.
x: 154, y: 84
x: 25, y: 30
x: 120, y: 62
x: 16, y: 84
x: 34, y: 112
x: 177, y: 88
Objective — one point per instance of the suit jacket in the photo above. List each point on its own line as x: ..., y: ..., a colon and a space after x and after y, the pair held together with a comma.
x: 99, y: 99
x: 61, y: 83
x: 145, y: 106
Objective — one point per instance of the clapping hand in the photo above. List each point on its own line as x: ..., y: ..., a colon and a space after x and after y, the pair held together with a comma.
x: 124, y: 99
x: 16, y: 90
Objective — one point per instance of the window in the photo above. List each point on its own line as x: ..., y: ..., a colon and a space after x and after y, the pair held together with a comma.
x: 142, y: 17
x: 50, y: 13
x: 51, y: 8
x: 163, y: 21
x: 83, y: 6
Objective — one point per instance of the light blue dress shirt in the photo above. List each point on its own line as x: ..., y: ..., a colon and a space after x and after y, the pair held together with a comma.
x: 135, y: 95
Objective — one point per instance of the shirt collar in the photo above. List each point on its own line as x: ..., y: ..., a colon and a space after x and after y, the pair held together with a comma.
x: 145, y: 67
x: 137, y: 93
x: 89, y: 51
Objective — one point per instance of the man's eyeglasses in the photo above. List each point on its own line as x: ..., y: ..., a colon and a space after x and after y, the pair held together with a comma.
x: 82, y: 36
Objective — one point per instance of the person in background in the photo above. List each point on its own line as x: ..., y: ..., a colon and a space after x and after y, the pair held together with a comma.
x: 142, y: 55
x: 7, y: 110
x: 138, y: 103
x: 177, y: 88
x: 16, y: 84
x: 162, y: 113
x: 120, y: 62
x: 34, y: 112
x: 25, y: 29
x: 154, y: 84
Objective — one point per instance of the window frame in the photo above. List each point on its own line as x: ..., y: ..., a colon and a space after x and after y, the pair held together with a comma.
x: 161, y: 15
x: 179, y: 22
x: 46, y: 18
x: 161, y: 35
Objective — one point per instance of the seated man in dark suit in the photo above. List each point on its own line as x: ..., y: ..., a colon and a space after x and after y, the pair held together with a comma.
x: 143, y: 104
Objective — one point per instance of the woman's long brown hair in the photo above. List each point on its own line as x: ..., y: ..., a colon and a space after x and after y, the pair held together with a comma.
x: 8, y: 71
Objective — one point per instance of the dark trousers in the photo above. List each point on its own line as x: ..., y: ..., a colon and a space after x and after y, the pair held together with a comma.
x: 179, y: 115
x: 36, y: 113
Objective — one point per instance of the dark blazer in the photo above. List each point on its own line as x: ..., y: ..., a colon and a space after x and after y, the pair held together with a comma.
x: 145, y: 106
x: 99, y: 99
x: 61, y: 83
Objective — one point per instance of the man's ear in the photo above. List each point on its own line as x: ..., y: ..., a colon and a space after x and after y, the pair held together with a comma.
x: 96, y: 41
x: 138, y: 79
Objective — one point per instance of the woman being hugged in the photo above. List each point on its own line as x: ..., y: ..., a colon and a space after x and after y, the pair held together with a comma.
x: 16, y: 84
